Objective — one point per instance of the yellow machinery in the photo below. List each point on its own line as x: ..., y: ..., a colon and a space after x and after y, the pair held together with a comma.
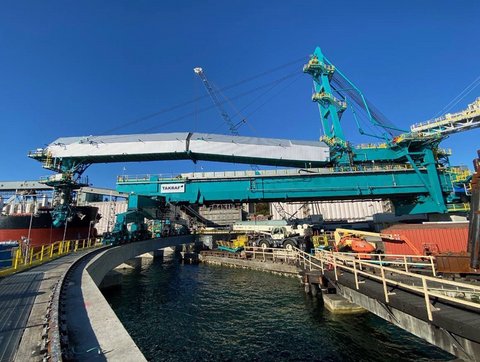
x: 234, y: 245
x: 324, y: 239
x: 356, y: 240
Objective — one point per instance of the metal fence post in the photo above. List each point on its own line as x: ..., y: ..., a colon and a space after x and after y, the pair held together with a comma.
x: 41, y: 253
x: 433, y: 266
x: 427, y: 299
x: 335, y: 266
x: 17, y: 258
x: 384, y: 283
x: 355, y: 273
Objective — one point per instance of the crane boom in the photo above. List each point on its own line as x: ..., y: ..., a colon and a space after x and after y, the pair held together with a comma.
x: 233, y: 128
x: 447, y: 124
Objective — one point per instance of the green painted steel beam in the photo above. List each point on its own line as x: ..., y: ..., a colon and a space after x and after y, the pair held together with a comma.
x: 406, y: 188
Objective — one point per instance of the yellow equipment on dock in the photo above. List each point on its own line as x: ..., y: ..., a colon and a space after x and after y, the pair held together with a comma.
x: 234, y: 245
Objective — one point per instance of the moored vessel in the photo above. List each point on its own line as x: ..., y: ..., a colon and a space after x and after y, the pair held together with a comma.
x: 37, y: 226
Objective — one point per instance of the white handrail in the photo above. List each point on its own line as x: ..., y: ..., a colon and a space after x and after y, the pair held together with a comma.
x: 352, y: 263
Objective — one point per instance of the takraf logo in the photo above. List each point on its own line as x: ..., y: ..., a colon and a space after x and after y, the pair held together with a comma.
x: 172, y: 188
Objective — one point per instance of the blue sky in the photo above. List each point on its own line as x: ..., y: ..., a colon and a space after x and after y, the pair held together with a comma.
x: 71, y: 68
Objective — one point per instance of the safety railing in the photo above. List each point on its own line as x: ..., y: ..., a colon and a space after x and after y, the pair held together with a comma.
x: 459, y: 174
x: 461, y: 207
x: 371, y: 145
x: 264, y: 173
x: 146, y: 177
x: 424, y: 285
x: 464, y: 115
x: 270, y: 254
x: 444, y: 151
x: 425, y: 263
x: 27, y: 257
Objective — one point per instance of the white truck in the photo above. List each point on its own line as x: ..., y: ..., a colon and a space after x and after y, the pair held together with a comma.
x: 274, y: 233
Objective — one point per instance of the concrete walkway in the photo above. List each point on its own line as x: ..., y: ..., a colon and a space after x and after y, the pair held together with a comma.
x: 94, y: 331
x: 23, y: 302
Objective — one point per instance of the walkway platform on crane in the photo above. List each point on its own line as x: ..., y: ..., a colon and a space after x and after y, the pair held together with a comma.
x: 400, y: 183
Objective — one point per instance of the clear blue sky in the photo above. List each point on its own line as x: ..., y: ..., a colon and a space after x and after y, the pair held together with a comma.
x: 72, y: 68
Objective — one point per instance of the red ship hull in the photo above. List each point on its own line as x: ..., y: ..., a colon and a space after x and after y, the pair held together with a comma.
x: 46, y: 236
x: 38, y: 228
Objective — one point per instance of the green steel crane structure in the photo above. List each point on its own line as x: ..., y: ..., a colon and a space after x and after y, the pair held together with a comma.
x: 407, y: 167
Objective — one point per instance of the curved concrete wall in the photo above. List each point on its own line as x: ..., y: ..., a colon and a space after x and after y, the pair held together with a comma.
x: 112, y: 257
x: 111, y: 336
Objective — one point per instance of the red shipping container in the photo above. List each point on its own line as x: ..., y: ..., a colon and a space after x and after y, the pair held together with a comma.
x: 436, y: 237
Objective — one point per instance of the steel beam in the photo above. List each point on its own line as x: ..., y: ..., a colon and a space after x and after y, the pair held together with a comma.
x: 405, y: 188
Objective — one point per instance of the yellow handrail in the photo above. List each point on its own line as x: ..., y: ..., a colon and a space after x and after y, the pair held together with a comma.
x: 27, y: 257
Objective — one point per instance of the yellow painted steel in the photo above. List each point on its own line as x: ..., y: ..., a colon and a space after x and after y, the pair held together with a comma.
x: 321, y: 239
x: 459, y: 174
x: 239, y: 242
x: 24, y: 259
x: 462, y: 207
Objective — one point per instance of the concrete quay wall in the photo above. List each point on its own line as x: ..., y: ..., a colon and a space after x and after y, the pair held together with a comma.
x: 265, y: 266
x: 105, y: 329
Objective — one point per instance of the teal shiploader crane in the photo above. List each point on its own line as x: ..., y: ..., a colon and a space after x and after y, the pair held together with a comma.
x: 418, y: 149
x: 407, y: 167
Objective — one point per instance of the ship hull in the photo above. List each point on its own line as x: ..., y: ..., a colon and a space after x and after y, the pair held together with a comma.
x: 41, y: 231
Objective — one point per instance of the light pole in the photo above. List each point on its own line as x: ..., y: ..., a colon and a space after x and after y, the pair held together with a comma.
x: 65, y: 229
x: 30, y: 226
x: 90, y: 228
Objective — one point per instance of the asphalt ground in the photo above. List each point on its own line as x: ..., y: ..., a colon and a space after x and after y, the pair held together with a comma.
x: 23, y: 305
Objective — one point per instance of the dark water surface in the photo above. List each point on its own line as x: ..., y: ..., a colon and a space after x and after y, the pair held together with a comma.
x: 178, y: 312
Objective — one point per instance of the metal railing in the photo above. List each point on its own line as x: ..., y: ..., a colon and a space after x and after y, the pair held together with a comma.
x: 472, y: 111
x: 24, y: 258
x: 391, y: 270
x: 408, y: 263
x: 271, y: 254
x: 263, y: 173
x: 458, y: 207
x: 424, y: 285
x: 371, y: 145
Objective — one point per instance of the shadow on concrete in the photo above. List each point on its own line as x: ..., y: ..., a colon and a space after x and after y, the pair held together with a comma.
x: 17, y: 296
x: 82, y: 340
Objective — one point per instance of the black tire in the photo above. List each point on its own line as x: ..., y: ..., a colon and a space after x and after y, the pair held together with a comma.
x: 264, y: 243
x: 289, y: 244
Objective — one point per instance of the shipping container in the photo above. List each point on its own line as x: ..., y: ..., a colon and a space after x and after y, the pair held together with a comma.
x: 346, y: 211
x: 107, y: 211
x: 429, y: 237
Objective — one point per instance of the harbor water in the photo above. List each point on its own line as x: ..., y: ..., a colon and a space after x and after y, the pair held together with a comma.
x: 177, y: 312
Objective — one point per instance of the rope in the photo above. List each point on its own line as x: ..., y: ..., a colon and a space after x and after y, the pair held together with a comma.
x: 191, y: 101
x: 199, y: 110
x: 469, y: 88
